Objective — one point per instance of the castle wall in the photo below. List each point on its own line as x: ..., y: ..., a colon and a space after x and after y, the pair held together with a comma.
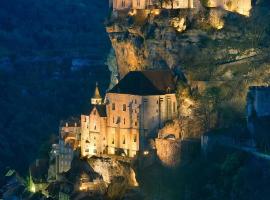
x: 177, y: 4
x: 121, y: 4
x: 242, y: 7
x: 144, y: 4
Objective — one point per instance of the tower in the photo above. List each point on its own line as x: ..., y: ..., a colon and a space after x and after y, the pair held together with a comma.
x: 96, y: 99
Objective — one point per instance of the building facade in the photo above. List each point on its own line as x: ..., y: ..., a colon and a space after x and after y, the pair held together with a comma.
x: 146, y: 4
x: 242, y: 7
x: 132, y: 113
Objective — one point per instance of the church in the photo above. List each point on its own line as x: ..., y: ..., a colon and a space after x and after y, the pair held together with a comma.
x: 131, y: 113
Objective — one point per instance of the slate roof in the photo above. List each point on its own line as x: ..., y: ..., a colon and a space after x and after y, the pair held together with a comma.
x: 97, y: 93
x: 101, y: 109
x: 143, y: 83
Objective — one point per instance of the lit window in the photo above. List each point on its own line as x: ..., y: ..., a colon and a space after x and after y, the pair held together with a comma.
x: 113, y: 106
x: 124, y: 107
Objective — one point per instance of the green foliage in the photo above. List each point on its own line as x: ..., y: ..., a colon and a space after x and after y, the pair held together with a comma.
x: 223, y: 175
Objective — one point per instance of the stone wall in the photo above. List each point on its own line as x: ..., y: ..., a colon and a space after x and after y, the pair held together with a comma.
x: 168, y: 152
x: 172, y: 153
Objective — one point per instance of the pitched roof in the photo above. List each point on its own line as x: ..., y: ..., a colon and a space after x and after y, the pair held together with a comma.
x: 101, y: 109
x: 151, y: 82
x: 96, y: 93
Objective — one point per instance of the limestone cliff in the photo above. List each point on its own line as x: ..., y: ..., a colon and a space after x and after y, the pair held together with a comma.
x: 219, y: 53
x: 110, y: 168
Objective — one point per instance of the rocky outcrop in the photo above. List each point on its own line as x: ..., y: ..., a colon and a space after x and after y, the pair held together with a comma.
x: 169, y: 152
x: 109, y: 168
x: 210, y: 48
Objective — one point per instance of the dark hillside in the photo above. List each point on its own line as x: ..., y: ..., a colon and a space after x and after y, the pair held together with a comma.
x: 51, y: 54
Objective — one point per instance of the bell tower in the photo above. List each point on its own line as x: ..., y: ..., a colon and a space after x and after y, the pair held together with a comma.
x: 96, y: 99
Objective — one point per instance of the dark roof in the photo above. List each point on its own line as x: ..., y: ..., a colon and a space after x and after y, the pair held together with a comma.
x: 71, y: 122
x: 101, y: 109
x: 151, y: 82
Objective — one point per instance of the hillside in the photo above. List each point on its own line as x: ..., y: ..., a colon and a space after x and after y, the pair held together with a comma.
x: 51, y: 54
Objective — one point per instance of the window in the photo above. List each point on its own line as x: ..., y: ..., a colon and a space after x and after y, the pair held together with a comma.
x: 124, y: 107
x: 113, y: 106
x: 124, y: 121
x: 135, y: 138
x: 157, y: 101
x: 95, y: 127
x: 113, y: 141
x: 135, y: 101
x: 113, y: 119
x: 138, y: 2
x: 124, y: 141
x: 123, y: 3
x: 95, y: 112
x: 135, y: 123
x: 174, y: 107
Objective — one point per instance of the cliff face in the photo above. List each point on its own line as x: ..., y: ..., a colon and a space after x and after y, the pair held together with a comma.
x: 218, y: 53
x: 110, y: 168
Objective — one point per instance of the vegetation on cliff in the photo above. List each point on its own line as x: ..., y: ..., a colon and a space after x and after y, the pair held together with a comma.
x: 220, y: 54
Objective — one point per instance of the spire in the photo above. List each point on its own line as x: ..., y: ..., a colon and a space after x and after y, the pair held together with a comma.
x: 96, y: 99
x: 96, y: 94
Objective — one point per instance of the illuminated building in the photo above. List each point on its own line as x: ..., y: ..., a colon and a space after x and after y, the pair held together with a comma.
x: 132, y: 113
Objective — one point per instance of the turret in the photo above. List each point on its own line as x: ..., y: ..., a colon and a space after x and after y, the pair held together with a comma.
x: 96, y: 99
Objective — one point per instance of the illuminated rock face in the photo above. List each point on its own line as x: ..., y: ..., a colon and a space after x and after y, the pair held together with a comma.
x: 109, y: 168
x: 169, y: 151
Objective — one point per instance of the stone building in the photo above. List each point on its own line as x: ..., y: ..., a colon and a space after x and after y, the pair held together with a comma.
x: 62, y: 153
x: 132, y: 112
x: 242, y: 7
x: 146, y: 4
